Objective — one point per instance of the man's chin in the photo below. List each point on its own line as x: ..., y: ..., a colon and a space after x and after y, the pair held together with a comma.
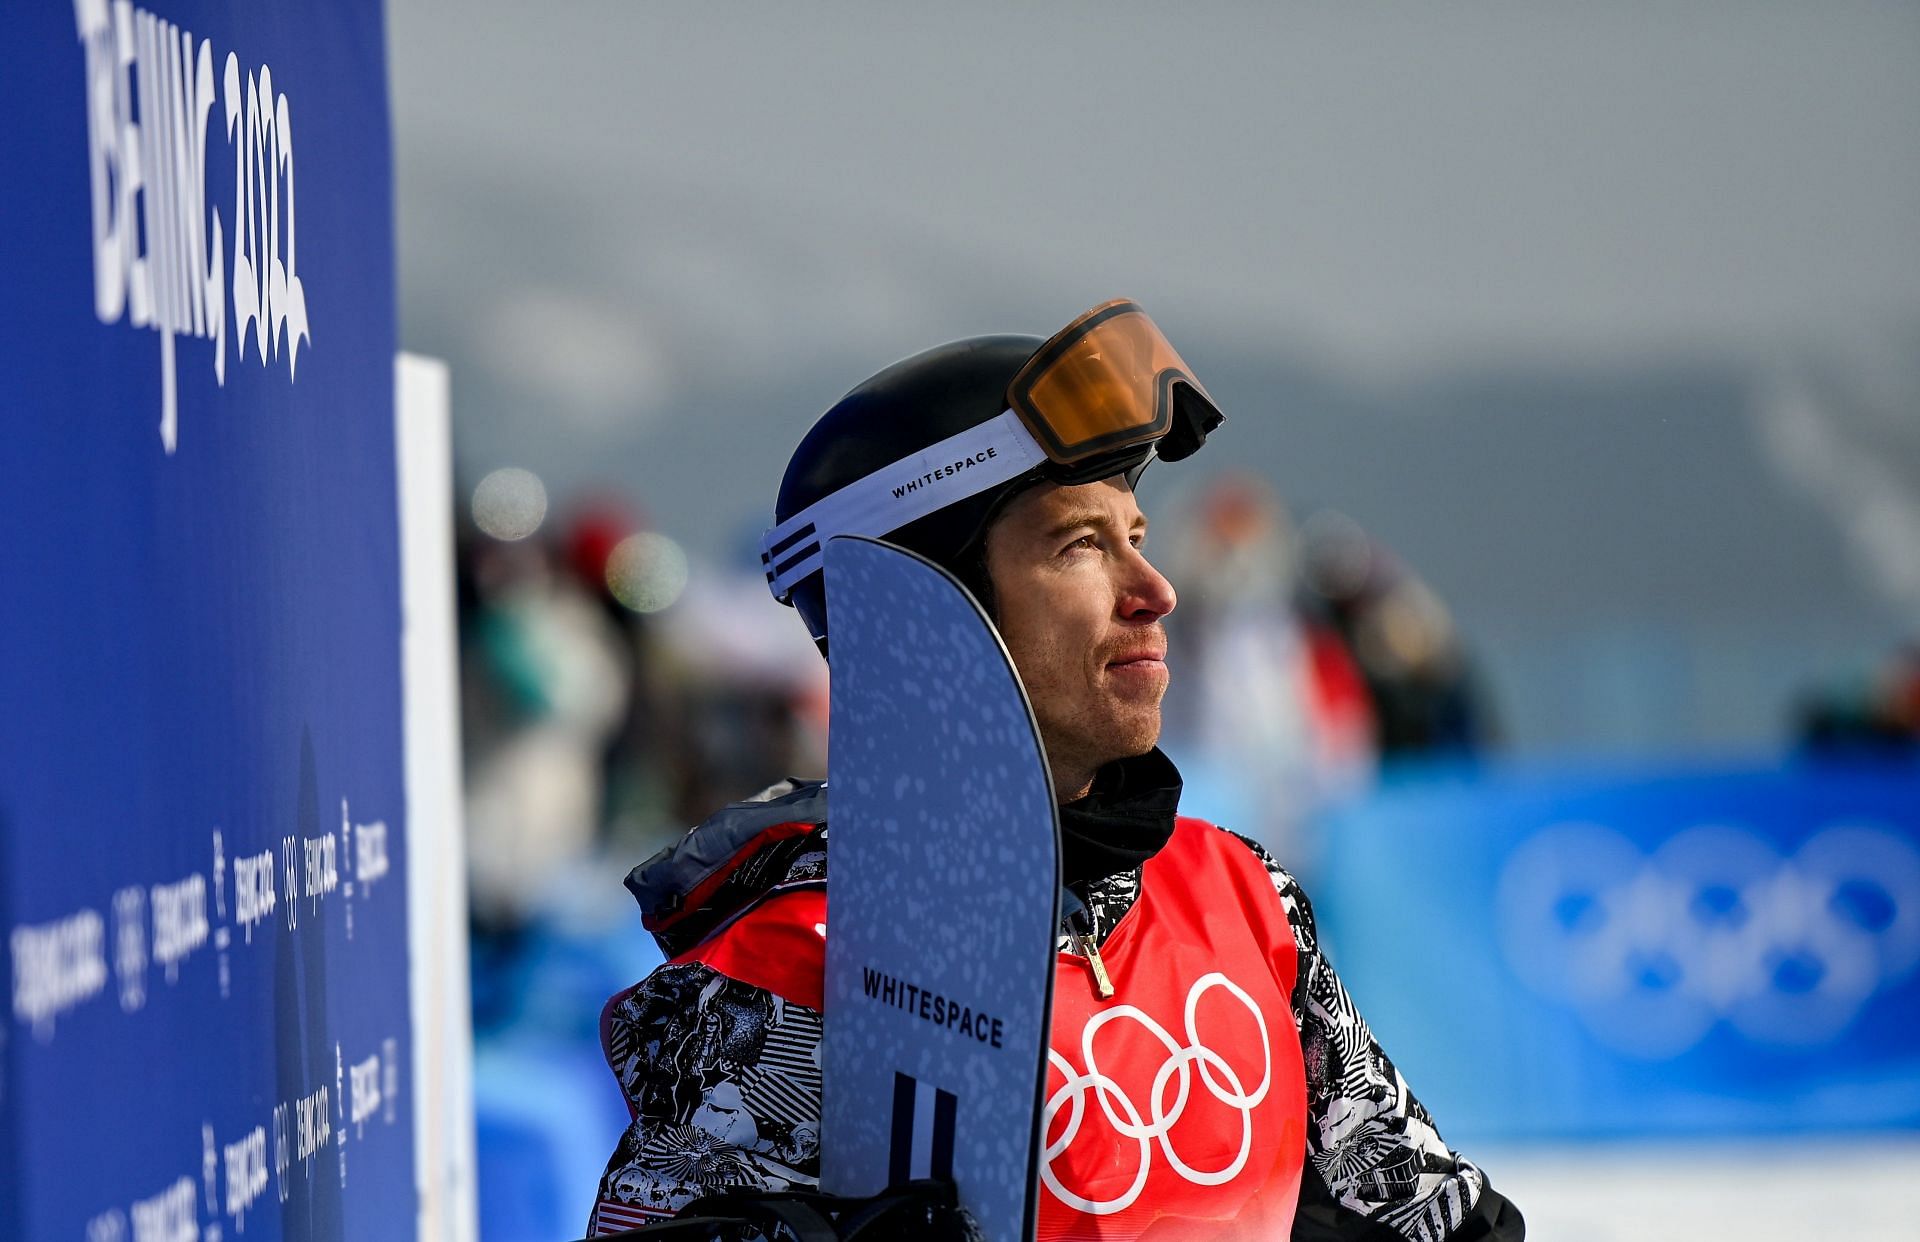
x: 1141, y: 737
x: 1126, y: 731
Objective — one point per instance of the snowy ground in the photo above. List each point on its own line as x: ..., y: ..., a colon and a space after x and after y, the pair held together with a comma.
x: 1860, y: 1189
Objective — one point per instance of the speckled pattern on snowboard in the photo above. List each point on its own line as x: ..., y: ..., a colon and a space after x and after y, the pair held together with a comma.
x: 943, y: 849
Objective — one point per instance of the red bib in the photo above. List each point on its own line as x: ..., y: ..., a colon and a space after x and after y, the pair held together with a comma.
x: 1176, y: 1109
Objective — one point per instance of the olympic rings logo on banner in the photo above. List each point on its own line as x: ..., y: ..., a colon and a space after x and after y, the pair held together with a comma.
x: 1123, y: 1113
x: 1653, y: 950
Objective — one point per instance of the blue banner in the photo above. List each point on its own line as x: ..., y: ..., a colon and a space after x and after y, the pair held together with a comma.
x: 1714, y: 952
x: 202, y: 819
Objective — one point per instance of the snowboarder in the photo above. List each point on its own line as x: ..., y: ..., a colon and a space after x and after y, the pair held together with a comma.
x: 1209, y: 1075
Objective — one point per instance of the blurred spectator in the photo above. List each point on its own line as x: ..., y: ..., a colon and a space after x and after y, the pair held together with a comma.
x: 1880, y: 716
x: 641, y: 754
x: 546, y: 681
x: 754, y: 693
x: 1426, y: 697
x: 1268, y: 709
x: 611, y: 694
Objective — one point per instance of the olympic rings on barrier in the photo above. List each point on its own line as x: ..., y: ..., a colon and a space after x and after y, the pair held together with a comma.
x: 1714, y: 925
x: 1157, y: 1126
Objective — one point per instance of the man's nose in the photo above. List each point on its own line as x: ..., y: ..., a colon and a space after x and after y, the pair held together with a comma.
x: 1145, y: 594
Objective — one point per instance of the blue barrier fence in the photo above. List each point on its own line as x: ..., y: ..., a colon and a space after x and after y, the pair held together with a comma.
x: 1585, y: 953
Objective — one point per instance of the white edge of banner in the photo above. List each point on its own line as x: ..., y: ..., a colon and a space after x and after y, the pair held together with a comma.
x: 443, y: 1122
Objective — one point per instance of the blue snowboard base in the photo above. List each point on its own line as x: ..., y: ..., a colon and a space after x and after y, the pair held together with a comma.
x: 943, y: 847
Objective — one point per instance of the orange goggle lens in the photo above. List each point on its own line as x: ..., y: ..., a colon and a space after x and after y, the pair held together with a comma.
x: 1106, y: 382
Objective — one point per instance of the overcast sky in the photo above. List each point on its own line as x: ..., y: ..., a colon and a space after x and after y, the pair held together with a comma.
x: 1396, y: 182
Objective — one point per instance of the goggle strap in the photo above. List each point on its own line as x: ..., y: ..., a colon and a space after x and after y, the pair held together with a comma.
x: 960, y: 466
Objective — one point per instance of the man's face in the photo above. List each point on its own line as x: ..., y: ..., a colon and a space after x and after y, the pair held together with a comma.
x: 1080, y: 610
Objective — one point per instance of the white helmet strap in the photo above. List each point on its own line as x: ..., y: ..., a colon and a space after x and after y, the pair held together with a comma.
x: 977, y: 459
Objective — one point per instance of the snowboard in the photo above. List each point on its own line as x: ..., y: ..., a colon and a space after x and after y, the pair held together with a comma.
x: 943, y: 848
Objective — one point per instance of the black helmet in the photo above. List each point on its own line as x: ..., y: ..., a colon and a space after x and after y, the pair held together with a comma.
x: 927, y: 451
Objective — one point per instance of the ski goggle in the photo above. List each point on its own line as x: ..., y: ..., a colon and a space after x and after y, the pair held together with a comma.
x: 1103, y: 396
x: 1107, y: 383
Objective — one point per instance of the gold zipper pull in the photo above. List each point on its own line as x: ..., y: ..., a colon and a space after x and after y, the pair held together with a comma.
x: 1080, y: 929
x: 1102, y: 984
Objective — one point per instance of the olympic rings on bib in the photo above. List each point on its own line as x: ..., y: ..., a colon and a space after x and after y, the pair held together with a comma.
x: 1123, y: 1113
x: 1653, y: 950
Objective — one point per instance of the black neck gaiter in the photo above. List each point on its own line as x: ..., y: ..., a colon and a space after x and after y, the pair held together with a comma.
x: 1123, y: 821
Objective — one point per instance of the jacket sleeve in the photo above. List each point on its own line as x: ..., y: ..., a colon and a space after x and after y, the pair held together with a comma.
x: 1377, y: 1169
x: 723, y: 1081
